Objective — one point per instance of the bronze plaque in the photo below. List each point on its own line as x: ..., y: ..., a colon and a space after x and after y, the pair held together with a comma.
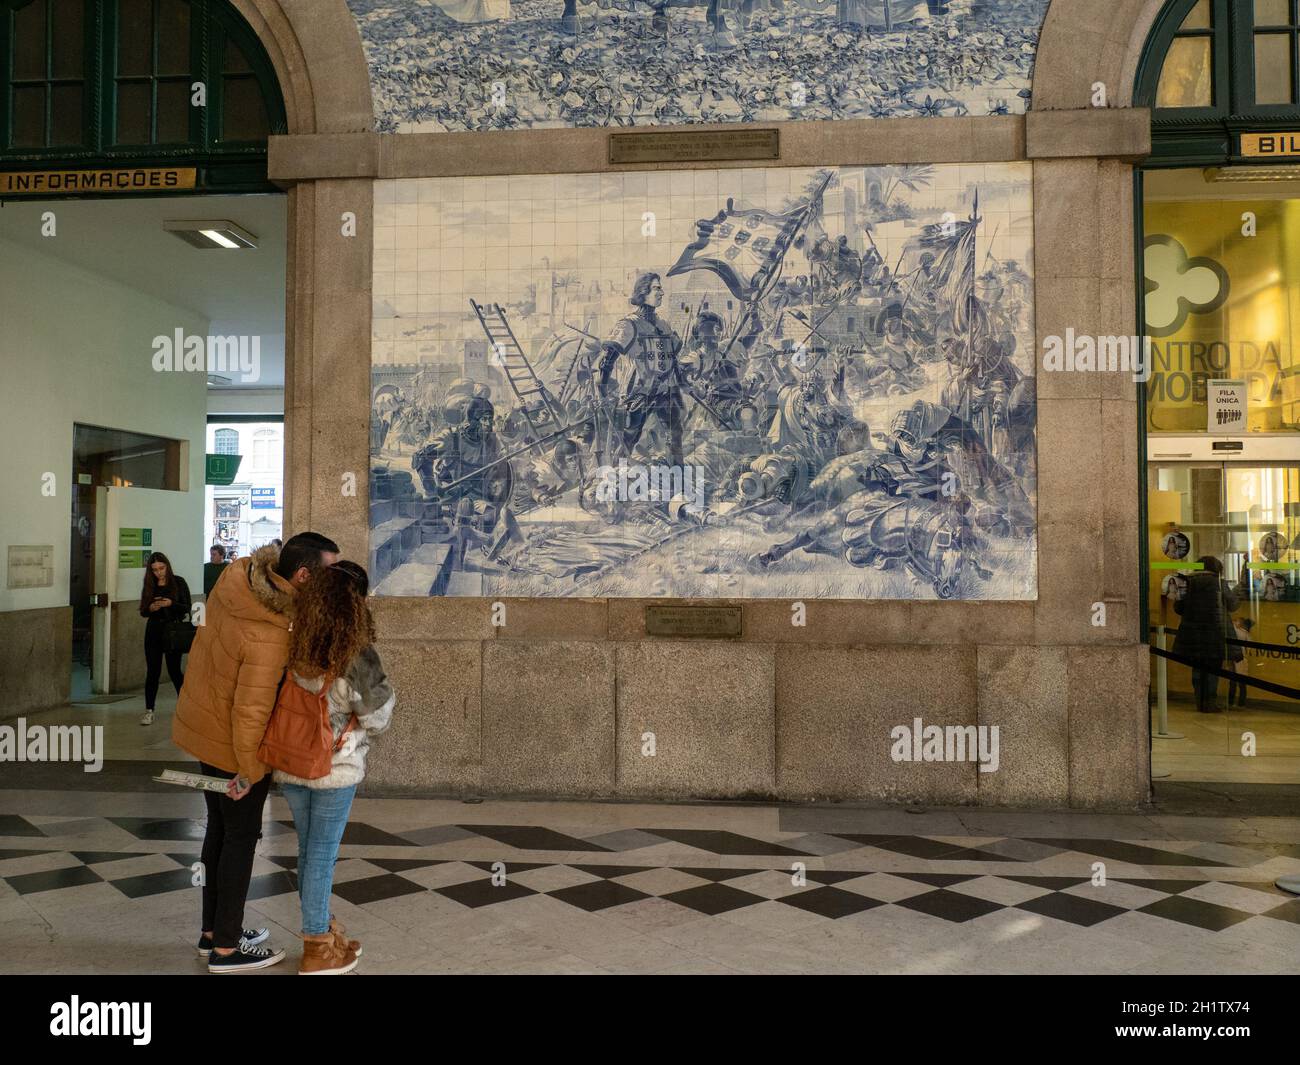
x: 706, y: 622
x: 693, y: 147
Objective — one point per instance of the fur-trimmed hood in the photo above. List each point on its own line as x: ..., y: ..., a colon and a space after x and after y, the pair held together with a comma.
x: 269, y: 588
x: 250, y: 587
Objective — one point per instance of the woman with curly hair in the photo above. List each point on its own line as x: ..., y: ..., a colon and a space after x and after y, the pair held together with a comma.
x: 332, y: 643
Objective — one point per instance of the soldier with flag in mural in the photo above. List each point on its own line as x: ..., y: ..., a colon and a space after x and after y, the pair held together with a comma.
x: 639, y: 377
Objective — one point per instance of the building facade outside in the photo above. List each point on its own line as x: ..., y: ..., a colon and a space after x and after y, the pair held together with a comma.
x: 247, y: 513
x: 812, y: 377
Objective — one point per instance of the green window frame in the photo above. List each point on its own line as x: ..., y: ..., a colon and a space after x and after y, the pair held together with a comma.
x: 114, y: 81
x: 1240, y: 34
x: 1211, y: 34
x: 1285, y: 33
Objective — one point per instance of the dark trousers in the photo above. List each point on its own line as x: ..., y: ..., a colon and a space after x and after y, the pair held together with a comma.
x: 153, y: 659
x: 228, y: 846
x: 1206, y: 686
x: 1236, y: 692
x: 627, y: 426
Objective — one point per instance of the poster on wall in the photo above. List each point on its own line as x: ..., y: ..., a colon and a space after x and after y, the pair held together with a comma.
x: 730, y: 383
x: 30, y: 566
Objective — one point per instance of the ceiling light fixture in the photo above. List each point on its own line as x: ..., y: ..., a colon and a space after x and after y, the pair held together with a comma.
x: 212, y: 234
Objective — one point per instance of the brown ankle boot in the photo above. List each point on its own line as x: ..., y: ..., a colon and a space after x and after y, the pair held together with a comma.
x: 322, y: 956
x: 340, y: 935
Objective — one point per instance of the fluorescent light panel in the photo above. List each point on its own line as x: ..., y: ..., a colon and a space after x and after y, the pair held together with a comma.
x: 218, y: 233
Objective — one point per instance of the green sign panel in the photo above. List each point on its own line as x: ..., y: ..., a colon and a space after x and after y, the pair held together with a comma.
x: 221, y: 469
x: 135, y: 538
x: 131, y: 558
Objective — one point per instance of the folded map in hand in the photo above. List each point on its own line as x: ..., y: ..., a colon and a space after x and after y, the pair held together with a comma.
x: 192, y: 780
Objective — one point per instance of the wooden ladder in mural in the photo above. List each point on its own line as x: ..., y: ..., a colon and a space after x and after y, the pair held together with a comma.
x: 536, y: 402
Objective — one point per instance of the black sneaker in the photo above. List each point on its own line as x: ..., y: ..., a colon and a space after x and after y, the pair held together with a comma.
x: 245, y: 958
x: 252, y: 936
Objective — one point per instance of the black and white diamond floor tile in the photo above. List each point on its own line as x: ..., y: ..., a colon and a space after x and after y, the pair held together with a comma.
x: 387, y: 870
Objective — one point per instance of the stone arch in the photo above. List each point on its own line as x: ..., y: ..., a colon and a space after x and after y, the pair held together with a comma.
x: 1081, y: 45
x: 316, y: 50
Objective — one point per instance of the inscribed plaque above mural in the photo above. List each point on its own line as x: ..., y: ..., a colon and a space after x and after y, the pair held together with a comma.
x: 454, y: 65
x: 779, y: 383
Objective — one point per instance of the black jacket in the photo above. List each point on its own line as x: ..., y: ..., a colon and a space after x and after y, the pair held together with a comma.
x: 1205, y: 610
x: 178, y: 611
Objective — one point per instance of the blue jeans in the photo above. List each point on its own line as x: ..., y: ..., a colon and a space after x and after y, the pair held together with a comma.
x: 320, y: 815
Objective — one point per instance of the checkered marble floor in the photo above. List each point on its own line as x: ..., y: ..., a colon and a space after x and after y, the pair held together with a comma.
x: 101, y: 883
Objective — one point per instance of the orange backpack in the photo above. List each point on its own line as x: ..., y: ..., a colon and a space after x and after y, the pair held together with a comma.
x: 299, y: 740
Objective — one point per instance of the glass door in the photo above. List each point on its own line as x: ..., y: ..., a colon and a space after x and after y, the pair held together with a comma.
x: 1245, y: 517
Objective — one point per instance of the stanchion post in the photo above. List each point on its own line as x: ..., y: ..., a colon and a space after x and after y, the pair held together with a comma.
x: 1162, y: 691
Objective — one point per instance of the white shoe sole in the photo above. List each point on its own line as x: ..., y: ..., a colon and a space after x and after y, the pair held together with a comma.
x: 275, y: 959
x: 247, y: 942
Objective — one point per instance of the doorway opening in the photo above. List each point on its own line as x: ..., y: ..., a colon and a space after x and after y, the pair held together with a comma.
x: 105, y: 460
x: 138, y: 339
x: 142, y: 286
x: 1248, y: 516
x: 1219, y: 296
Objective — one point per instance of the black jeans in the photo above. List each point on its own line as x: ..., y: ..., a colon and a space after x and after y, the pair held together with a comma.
x: 153, y: 658
x: 228, y: 846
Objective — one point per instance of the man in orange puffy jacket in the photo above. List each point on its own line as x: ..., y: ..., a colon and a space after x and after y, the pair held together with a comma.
x: 235, y: 667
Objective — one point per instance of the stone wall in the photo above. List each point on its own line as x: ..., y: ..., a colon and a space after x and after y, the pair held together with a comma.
x: 556, y: 701
x: 35, y: 657
x: 127, y: 670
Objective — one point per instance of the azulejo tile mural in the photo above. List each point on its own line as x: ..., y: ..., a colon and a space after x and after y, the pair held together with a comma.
x: 744, y: 383
x: 516, y: 64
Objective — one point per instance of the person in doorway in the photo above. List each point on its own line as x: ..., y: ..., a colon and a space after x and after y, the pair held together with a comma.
x: 1237, y: 656
x: 1202, y: 634
x: 165, y: 598
x: 236, y: 665
x: 213, y: 568
x: 332, y: 644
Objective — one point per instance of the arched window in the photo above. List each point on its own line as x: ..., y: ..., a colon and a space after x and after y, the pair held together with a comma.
x: 133, y: 79
x: 226, y: 442
x: 1215, y: 68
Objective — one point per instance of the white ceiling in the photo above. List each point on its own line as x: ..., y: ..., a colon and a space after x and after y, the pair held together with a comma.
x: 240, y: 292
